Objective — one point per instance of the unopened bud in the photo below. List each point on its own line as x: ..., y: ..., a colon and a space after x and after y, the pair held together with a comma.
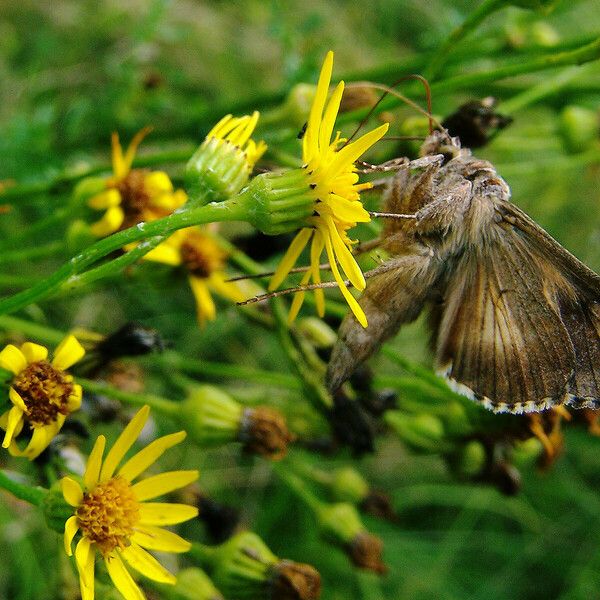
x: 357, y: 96
x: 469, y: 460
x: 88, y: 188
x: 422, y: 432
x: 348, y: 485
x: 263, y: 431
x: 579, y: 127
x: 56, y: 510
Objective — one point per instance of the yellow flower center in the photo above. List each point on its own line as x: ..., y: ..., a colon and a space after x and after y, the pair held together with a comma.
x: 45, y: 391
x: 134, y: 196
x: 108, y: 514
x: 201, y: 255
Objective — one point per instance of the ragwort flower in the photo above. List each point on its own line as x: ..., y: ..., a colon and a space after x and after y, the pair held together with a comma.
x: 204, y: 261
x: 333, y: 182
x: 41, y: 392
x: 133, y: 195
x: 114, y: 518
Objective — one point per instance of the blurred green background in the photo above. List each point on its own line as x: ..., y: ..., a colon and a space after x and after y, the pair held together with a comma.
x: 73, y: 71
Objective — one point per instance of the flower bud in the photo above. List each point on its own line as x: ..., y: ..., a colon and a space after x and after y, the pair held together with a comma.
x: 578, y: 127
x: 297, y: 105
x: 88, y: 188
x: 423, y: 432
x: 294, y: 581
x: 469, y: 459
x: 348, y: 485
x: 56, y: 510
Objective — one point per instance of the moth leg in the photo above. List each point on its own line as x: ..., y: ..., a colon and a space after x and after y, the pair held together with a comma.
x: 394, y: 297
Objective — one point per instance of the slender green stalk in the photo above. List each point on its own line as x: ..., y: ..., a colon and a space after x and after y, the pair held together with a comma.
x: 28, y: 253
x: 33, y: 495
x: 486, y: 8
x: 34, y: 331
x: 161, y: 405
x: 229, y: 210
x: 296, y: 485
x: 204, y: 554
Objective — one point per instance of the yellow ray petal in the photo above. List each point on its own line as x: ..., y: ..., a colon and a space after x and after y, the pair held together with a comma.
x: 124, y: 442
x: 12, y: 359
x: 311, y: 135
x: 139, y: 462
x: 122, y: 579
x: 298, y: 300
x: 84, y: 555
x: 105, y: 199
x: 330, y: 115
x: 74, y: 402
x: 157, y: 183
x: 16, y: 399
x: 146, y: 564
x: 215, y: 132
x: 15, y: 416
x: 67, y: 353
x: 41, y: 438
x: 345, y: 258
x: 34, y: 352
x: 316, y: 249
x: 227, y: 289
x: 71, y: 527
x: 164, y: 513
x: 352, y: 303
x: 350, y: 153
x: 290, y: 257
x: 350, y: 211
x: 109, y: 223
x: 159, y: 539
x: 165, y: 253
x: 72, y: 491
x: 132, y: 149
x: 157, y: 485
x: 92, y: 469
x: 205, y: 306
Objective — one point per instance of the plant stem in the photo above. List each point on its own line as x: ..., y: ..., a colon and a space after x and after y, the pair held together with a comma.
x: 296, y: 485
x: 32, y: 330
x: 31, y: 252
x: 33, y: 495
x: 161, y: 405
x: 229, y: 210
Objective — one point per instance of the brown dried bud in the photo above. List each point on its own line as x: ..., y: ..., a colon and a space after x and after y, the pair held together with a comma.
x: 357, y: 96
x: 264, y: 431
x: 365, y: 552
x: 378, y: 504
x: 295, y: 581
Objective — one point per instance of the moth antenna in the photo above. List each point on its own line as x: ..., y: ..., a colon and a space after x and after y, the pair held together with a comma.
x: 391, y: 91
x: 385, y: 215
x: 390, y: 165
x: 358, y: 249
x: 314, y: 286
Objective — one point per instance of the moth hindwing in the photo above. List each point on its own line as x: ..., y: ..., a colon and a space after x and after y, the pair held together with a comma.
x: 515, y: 317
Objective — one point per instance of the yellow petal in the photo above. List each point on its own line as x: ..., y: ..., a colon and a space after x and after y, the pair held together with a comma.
x: 350, y: 211
x: 139, y: 462
x: 34, y: 352
x: 157, y: 183
x: 124, y: 442
x: 68, y: 352
x: 16, y: 399
x: 109, y: 223
x: 165, y: 254
x: 132, y: 148
x: 290, y: 257
x: 215, y: 132
x: 122, y: 579
x: 157, y: 485
x: 71, y: 527
x: 329, y: 117
x: 311, y: 135
x: 237, y: 133
x: 159, y: 539
x: 84, y: 556
x: 205, y: 306
x: 298, y: 300
x: 345, y: 258
x: 12, y: 359
x: 105, y: 199
x: 350, y: 153
x: 165, y: 513
x: 92, y: 470
x: 74, y: 402
x: 352, y: 303
x: 72, y: 491
x: 227, y: 289
x: 146, y: 564
x: 316, y: 250
x: 15, y: 416
x: 41, y: 438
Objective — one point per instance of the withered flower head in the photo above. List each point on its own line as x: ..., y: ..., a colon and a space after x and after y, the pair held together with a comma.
x: 295, y: 581
x: 264, y: 431
x: 365, y: 551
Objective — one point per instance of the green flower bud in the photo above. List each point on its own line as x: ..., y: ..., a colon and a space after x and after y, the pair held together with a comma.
x: 456, y: 420
x: 543, y: 34
x: 88, y: 188
x: 469, y: 459
x: 317, y: 332
x: 527, y: 452
x: 297, y: 105
x: 422, y: 432
x: 348, y: 485
x: 55, y: 508
x: 578, y: 127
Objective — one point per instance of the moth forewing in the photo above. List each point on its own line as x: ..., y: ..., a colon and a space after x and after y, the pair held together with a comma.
x: 517, y: 317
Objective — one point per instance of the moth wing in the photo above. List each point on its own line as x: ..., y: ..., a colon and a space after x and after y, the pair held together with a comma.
x: 501, y: 338
x: 579, y: 307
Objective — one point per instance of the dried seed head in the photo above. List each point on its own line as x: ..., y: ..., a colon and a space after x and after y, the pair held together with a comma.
x: 295, y: 581
x: 365, y: 552
x: 264, y: 431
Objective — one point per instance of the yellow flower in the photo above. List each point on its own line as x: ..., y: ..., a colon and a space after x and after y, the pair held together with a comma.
x: 114, y: 518
x: 204, y: 261
x: 133, y: 195
x: 224, y: 161
x: 42, y: 394
x: 333, y: 181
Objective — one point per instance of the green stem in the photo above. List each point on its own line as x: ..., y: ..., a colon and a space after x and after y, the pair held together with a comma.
x: 31, y: 330
x: 486, y: 8
x: 296, y: 485
x: 230, y: 210
x: 33, y: 495
x: 31, y: 252
x: 205, y: 555
x: 161, y: 405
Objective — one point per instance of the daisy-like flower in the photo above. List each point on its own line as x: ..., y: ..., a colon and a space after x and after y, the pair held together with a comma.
x: 41, y: 392
x: 199, y: 253
x: 222, y: 164
x: 330, y: 175
x: 114, y: 518
x: 133, y: 195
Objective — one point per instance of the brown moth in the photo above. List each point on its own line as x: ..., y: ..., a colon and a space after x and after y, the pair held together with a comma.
x: 515, y: 316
